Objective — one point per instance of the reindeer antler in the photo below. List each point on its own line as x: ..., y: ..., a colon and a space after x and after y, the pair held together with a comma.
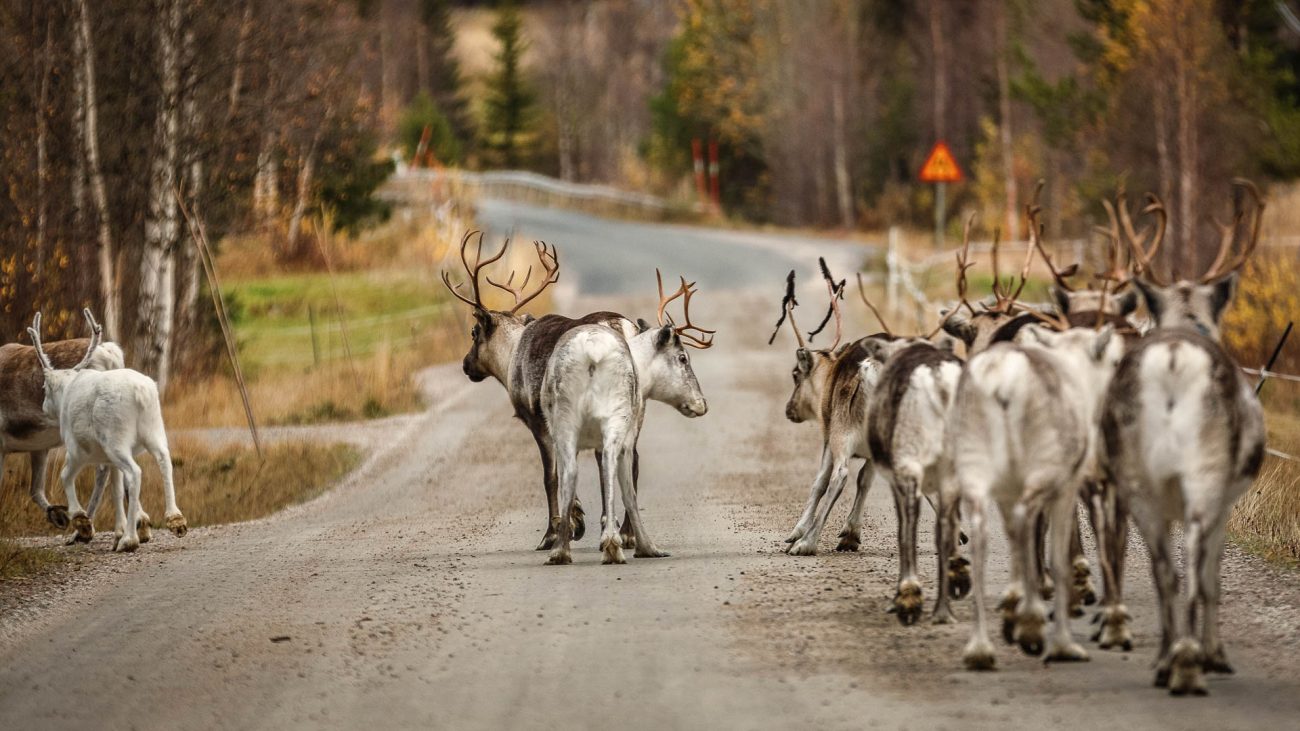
x: 686, y: 292
x: 963, y: 264
x: 35, y: 333
x: 550, y: 261
x: 788, y: 303
x: 96, y: 337
x: 473, y: 271
x: 836, y: 292
x: 862, y: 292
x: 1036, y: 243
x: 1143, y: 255
x: 1004, y: 297
x: 1229, y: 232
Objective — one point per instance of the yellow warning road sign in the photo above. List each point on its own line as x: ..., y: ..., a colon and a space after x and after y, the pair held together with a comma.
x: 940, y: 166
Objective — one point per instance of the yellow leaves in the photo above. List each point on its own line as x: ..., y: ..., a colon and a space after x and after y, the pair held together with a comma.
x: 1268, y: 298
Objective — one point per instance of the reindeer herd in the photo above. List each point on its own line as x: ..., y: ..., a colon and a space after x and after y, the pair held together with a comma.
x: 1078, y: 401
x: 1051, y: 405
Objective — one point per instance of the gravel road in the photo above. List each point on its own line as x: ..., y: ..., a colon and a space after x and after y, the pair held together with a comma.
x: 408, y: 597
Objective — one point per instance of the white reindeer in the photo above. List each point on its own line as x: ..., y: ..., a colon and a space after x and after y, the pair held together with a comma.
x: 25, y: 427
x: 1184, y: 439
x: 593, y: 393
x: 106, y: 418
x: 1022, y: 436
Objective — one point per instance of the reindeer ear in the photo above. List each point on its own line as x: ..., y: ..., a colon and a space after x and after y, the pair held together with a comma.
x: 1037, y: 335
x: 1128, y: 302
x: 1222, y: 293
x: 959, y: 326
x: 804, y: 359
x: 486, y: 323
x: 664, y: 337
x: 642, y: 325
x: 1152, y: 296
x: 1062, y: 300
x: 529, y: 319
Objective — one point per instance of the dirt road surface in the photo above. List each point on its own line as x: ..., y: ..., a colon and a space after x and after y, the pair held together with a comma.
x: 409, y: 596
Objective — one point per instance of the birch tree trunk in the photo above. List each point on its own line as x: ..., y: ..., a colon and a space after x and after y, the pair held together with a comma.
x: 843, y: 184
x: 87, y: 112
x: 1187, y: 159
x: 156, y: 302
x: 1004, y: 125
x: 42, y: 152
x: 241, y: 51
x: 187, y: 261
x: 306, y: 174
x: 1164, y: 160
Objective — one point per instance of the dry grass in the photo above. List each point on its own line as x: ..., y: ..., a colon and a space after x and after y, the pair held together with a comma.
x: 213, y: 485
x: 1267, y: 518
x: 18, y: 561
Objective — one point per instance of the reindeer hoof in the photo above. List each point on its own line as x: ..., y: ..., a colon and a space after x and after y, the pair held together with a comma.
x: 83, y: 527
x: 126, y: 545
x: 548, y: 542
x: 1007, y: 606
x: 1217, y: 662
x: 144, y: 529
x: 628, y: 539
x: 559, y: 557
x: 979, y: 656
x: 908, y: 604
x: 1114, y: 631
x: 1029, y: 633
x: 803, y: 547
x: 1068, y: 652
x: 849, y: 543
x: 57, y: 515
x: 962, y: 538
x: 611, y: 551
x: 1185, y: 673
x: 959, y: 583
x: 177, y: 525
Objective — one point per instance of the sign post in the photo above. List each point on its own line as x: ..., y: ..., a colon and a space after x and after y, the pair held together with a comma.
x: 940, y: 168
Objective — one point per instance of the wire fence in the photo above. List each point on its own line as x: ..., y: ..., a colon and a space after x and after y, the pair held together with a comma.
x: 902, y: 274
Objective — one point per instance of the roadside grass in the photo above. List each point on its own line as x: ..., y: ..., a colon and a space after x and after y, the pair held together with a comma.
x: 1266, y: 521
x: 225, y: 484
x: 341, y: 343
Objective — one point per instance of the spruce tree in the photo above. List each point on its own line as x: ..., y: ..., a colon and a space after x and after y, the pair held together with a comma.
x: 444, y: 69
x: 509, y: 102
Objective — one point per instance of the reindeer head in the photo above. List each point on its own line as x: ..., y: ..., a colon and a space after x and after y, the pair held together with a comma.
x: 1199, y: 304
x: 57, y: 379
x: 813, y: 366
x: 979, y: 328
x: 667, y: 368
x: 496, y: 332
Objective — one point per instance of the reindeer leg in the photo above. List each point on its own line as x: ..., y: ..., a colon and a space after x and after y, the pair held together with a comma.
x: 1155, y: 532
x: 645, y: 548
x: 566, y: 467
x: 629, y: 537
x: 978, y: 654
x: 945, y: 539
x: 1216, y: 660
x: 550, y: 482
x: 1186, y: 670
x: 815, y: 494
x: 839, y: 475
x: 1027, y: 516
x: 909, y: 598
x: 84, y: 531
x: 851, y: 536
x: 611, y: 546
x: 56, y: 514
x: 1082, y: 590
x: 1110, y: 524
x: 1064, y: 526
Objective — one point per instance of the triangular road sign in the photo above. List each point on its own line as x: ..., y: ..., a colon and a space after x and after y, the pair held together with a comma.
x: 940, y: 166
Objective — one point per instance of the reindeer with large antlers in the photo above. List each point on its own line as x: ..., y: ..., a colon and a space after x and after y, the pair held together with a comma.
x: 1183, y: 440
x: 592, y: 394
x: 516, y: 349
x: 106, y: 418
x: 832, y: 385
